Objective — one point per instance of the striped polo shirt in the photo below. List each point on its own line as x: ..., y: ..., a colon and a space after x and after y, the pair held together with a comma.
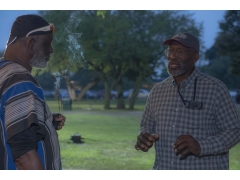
x: 21, y: 104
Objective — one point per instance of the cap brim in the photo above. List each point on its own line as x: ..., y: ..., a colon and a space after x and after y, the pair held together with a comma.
x: 168, y: 41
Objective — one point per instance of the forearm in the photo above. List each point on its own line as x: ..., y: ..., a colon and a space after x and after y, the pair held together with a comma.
x: 23, y: 147
x: 29, y: 161
x: 226, y: 132
x: 220, y: 143
x: 147, y: 124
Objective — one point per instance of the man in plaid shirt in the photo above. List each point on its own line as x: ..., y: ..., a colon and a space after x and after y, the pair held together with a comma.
x: 190, y: 116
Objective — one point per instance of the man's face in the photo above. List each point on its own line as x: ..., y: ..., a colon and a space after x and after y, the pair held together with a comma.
x: 43, y: 50
x: 180, y: 59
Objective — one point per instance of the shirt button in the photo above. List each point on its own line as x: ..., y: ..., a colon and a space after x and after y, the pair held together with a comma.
x: 171, y: 162
x: 176, y: 109
x: 173, y: 126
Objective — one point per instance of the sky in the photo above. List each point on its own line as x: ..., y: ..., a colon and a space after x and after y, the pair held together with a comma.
x: 209, y: 18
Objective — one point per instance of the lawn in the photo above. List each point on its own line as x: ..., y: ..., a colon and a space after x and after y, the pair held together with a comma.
x: 108, y: 142
x: 109, y: 137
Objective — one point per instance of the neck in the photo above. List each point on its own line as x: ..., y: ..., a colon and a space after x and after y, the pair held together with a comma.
x: 12, y: 55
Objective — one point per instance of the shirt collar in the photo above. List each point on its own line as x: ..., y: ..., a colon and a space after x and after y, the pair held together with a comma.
x: 189, y: 80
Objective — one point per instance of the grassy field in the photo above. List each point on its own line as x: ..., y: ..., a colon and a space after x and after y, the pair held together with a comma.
x: 109, y: 137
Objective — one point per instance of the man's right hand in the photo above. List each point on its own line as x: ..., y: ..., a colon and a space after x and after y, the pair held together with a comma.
x: 145, y: 141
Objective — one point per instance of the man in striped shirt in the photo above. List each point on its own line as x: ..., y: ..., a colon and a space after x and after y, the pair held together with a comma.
x: 190, y: 116
x: 28, y: 137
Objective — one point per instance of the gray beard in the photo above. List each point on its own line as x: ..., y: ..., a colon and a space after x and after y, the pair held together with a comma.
x: 39, y: 62
x: 179, y: 71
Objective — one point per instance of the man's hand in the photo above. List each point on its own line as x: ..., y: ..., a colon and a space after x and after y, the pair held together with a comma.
x: 58, y: 121
x: 145, y: 141
x: 186, y: 145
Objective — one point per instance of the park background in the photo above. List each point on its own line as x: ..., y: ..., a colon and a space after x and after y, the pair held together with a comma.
x: 110, y: 132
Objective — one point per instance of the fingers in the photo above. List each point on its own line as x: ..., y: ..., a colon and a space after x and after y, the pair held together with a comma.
x: 141, y: 147
x: 61, y: 124
x: 182, y: 150
x: 61, y: 120
x: 145, y: 141
x: 142, y: 143
x: 182, y: 139
x: 182, y: 153
x: 156, y: 137
x: 186, y: 145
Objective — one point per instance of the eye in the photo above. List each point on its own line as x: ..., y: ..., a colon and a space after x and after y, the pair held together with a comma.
x: 180, y: 51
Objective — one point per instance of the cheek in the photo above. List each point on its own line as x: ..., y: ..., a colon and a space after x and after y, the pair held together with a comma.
x: 188, y: 62
x: 44, y: 51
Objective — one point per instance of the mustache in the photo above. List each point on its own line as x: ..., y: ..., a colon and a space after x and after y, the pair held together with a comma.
x: 174, y: 62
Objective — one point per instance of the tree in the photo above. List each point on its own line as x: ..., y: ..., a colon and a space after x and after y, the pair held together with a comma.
x: 122, y: 44
x: 85, y: 80
x: 227, y: 41
x: 220, y: 68
x: 151, y: 28
x: 67, y: 57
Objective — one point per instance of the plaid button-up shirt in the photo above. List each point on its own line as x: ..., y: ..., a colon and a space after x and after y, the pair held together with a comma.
x: 216, y: 126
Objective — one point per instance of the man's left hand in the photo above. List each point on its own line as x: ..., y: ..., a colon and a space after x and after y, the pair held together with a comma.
x: 185, y: 145
x: 60, y: 119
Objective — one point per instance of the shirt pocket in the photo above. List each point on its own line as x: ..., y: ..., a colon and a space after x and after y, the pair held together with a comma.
x: 198, y: 123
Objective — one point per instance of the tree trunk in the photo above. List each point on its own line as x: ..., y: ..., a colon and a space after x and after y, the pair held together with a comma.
x: 137, y: 85
x: 120, y: 98
x: 70, y: 88
x: 88, y: 86
x: 107, y: 95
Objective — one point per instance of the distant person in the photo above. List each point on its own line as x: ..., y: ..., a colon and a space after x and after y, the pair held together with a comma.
x: 29, y: 140
x: 190, y: 116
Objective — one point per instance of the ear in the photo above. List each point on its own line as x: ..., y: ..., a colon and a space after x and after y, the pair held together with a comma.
x: 30, y: 43
x: 196, y: 57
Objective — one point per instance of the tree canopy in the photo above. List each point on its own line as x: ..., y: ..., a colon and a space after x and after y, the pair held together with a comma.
x: 227, y: 41
x: 116, y: 44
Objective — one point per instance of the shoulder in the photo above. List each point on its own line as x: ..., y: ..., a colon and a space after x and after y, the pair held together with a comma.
x: 11, y: 69
x: 209, y: 79
x: 165, y: 82
x: 15, y: 77
x: 162, y: 86
x: 211, y: 82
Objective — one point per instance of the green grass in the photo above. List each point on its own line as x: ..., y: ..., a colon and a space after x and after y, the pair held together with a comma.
x: 234, y: 157
x: 108, y: 143
x: 109, y: 139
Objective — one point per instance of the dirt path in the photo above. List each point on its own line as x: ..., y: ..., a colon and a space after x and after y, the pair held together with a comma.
x: 113, y: 113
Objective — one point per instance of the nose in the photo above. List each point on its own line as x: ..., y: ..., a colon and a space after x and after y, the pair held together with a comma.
x: 173, y: 55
